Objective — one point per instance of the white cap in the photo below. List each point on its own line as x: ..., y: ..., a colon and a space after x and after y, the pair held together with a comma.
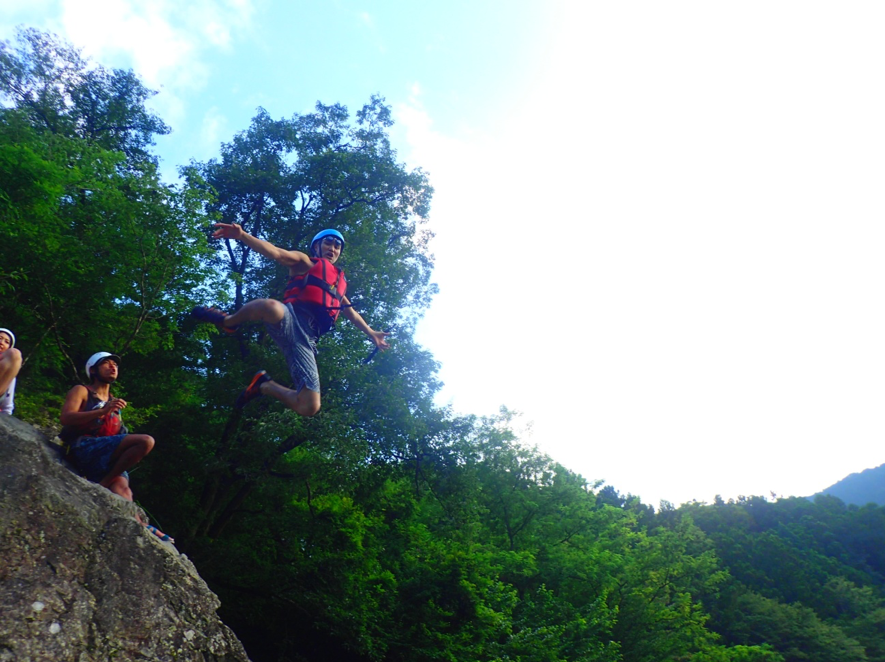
x: 10, y: 334
x: 98, y: 357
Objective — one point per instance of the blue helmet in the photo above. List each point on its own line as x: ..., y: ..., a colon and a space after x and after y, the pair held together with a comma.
x: 326, y: 233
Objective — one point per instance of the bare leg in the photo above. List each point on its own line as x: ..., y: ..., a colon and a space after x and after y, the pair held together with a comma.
x: 120, y: 487
x: 129, y: 453
x: 10, y: 364
x: 257, y: 310
x: 304, y: 402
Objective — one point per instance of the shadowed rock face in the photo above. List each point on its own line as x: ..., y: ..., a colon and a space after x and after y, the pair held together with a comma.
x: 82, y: 580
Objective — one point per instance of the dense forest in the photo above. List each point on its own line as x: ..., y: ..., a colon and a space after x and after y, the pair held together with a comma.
x: 386, y: 527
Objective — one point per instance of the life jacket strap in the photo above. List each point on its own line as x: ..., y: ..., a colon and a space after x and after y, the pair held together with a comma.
x: 310, y: 279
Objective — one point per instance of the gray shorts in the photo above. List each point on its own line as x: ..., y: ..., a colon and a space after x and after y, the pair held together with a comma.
x: 296, y: 335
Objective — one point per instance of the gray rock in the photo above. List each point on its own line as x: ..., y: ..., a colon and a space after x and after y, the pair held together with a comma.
x: 81, y: 579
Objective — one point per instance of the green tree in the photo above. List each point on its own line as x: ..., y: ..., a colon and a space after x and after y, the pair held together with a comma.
x: 283, y: 180
x: 63, y: 93
x: 793, y: 630
x: 99, y: 254
x: 762, y: 653
x: 815, y: 563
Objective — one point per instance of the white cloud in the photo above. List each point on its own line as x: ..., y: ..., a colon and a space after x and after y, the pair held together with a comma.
x: 164, y: 41
x: 681, y: 234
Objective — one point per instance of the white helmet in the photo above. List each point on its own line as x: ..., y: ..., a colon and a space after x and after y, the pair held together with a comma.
x: 10, y: 334
x: 97, y: 358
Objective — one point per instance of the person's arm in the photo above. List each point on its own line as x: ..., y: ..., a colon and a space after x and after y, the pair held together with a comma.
x: 10, y: 364
x: 76, y: 397
x: 377, y: 337
x: 292, y: 259
x: 7, y: 400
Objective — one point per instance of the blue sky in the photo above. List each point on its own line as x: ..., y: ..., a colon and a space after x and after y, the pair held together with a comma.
x: 216, y: 62
x: 678, y: 204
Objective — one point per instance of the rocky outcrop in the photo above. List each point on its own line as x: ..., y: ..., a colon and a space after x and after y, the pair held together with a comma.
x: 82, y: 580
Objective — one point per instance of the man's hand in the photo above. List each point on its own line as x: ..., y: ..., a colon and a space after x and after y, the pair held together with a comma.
x: 379, y: 338
x: 227, y: 231
x: 113, y: 406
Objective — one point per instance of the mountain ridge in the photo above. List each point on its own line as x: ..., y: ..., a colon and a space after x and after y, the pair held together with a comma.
x: 860, y: 488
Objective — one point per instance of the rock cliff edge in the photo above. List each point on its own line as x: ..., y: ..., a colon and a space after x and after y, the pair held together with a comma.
x: 82, y: 580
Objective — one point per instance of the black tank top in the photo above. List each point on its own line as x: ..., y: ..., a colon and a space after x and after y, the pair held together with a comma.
x: 98, y: 427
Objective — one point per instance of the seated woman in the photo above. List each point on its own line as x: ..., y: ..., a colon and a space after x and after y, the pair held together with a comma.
x: 10, y: 364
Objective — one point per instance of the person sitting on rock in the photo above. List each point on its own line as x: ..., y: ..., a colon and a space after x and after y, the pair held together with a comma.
x: 314, y: 296
x: 94, y: 435
x: 10, y: 364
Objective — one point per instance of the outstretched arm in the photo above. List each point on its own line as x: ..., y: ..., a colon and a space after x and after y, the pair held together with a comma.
x: 377, y: 337
x: 290, y: 259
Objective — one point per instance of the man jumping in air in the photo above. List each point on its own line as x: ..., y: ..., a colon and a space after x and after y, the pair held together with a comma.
x: 313, y: 299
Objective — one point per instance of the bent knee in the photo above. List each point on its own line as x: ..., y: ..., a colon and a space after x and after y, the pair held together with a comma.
x: 308, y: 410
x: 308, y: 407
x: 147, y: 442
x: 272, y: 310
x: 271, y: 303
x: 12, y: 355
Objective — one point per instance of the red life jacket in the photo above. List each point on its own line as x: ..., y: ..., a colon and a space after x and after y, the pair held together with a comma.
x: 321, y: 289
x: 98, y: 427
